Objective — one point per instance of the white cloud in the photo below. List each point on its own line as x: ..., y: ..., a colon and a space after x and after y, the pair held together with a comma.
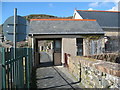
x: 90, y: 9
x: 115, y: 1
x: 94, y: 4
x: 115, y: 8
x: 99, y: 4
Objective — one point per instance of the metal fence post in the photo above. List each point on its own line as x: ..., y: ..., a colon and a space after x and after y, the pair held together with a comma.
x: 21, y: 69
x: 3, y: 69
x: 31, y: 59
x: 28, y: 69
x: 9, y: 62
x: 0, y: 68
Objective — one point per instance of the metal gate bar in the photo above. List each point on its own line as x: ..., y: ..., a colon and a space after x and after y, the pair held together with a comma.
x: 16, y: 73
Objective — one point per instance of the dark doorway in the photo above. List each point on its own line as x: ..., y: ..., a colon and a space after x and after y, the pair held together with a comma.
x: 79, y: 43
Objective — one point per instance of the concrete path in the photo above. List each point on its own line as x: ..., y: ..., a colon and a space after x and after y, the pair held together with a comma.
x: 51, y: 77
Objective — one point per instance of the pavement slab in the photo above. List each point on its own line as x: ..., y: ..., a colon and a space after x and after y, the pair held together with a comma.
x: 51, y: 77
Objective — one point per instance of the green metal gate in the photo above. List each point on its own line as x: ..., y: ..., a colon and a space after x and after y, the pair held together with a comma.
x: 16, y: 73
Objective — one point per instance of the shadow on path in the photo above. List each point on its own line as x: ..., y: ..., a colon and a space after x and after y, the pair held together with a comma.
x: 46, y: 64
x: 33, y: 83
x: 64, y: 85
x: 48, y: 76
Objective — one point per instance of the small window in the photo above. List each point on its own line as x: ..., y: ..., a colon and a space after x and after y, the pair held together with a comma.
x: 57, y: 44
x: 79, y: 46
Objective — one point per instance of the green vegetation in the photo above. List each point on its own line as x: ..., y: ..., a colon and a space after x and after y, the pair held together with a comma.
x: 91, y: 37
x: 43, y: 16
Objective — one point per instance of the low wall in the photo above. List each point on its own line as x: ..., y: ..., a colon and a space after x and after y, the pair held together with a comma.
x: 110, y: 57
x: 94, y: 73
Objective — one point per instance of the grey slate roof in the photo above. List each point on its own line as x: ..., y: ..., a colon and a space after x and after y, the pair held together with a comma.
x: 65, y: 27
x: 104, y: 19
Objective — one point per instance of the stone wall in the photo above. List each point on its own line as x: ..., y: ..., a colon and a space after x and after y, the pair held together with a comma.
x: 114, y: 38
x: 74, y: 68
x: 94, y: 73
x: 91, y: 47
x: 110, y: 57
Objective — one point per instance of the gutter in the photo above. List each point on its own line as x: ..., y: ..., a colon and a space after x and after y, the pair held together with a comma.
x: 71, y: 33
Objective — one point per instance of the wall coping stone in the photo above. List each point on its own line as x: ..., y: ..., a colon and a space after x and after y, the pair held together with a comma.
x: 103, y: 66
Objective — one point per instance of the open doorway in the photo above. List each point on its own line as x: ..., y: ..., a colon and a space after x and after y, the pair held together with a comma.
x: 49, y: 52
x: 46, y: 52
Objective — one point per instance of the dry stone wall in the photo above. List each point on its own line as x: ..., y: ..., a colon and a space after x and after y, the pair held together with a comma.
x: 110, y: 57
x: 94, y: 73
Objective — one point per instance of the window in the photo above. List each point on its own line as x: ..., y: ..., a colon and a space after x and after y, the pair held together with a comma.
x: 79, y: 46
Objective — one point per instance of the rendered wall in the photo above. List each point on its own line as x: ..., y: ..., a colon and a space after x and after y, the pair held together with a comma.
x: 76, y: 15
x: 69, y: 47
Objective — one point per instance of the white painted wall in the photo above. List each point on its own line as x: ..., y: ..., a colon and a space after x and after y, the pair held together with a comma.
x: 69, y: 47
x: 1, y: 38
x: 76, y: 15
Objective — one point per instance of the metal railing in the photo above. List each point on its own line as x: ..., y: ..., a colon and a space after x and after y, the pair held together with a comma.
x: 15, y: 73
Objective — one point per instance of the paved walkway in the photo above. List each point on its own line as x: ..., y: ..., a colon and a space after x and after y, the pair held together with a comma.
x: 50, y: 77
